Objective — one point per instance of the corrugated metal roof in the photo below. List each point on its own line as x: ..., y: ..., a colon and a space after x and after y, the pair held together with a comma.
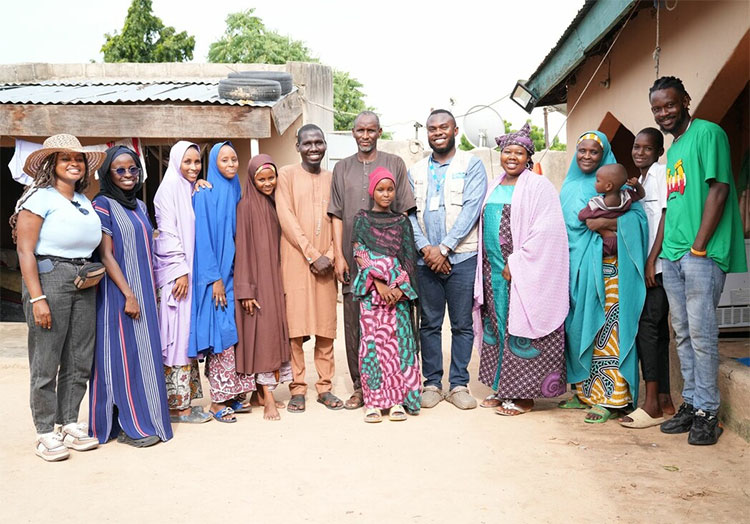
x: 113, y: 92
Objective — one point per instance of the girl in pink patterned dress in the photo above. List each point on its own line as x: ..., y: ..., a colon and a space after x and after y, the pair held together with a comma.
x: 385, y: 254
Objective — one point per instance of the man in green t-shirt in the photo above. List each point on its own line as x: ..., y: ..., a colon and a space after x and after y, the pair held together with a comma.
x: 703, y: 241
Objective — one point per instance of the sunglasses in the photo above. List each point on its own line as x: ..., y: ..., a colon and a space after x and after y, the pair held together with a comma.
x: 77, y: 205
x: 133, y: 170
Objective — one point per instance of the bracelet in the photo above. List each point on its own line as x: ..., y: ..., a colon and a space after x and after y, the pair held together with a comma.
x: 698, y: 253
x: 37, y: 299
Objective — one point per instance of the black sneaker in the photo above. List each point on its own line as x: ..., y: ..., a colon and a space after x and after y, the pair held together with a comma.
x: 681, y: 422
x: 705, y: 430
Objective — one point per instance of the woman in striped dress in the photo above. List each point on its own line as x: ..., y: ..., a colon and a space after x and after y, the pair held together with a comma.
x: 127, y: 395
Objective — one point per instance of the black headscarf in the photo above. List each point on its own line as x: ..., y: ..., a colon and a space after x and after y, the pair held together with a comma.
x: 108, y: 188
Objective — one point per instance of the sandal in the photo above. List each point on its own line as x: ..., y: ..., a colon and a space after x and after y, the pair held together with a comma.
x: 491, y: 401
x: 330, y: 401
x: 296, y: 404
x: 603, y: 413
x: 239, y: 407
x: 373, y: 415
x: 572, y: 403
x: 508, y: 408
x: 356, y: 401
x: 196, y: 416
x: 225, y: 412
x: 397, y: 413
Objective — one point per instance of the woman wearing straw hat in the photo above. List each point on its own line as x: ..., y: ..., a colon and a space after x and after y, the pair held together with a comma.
x: 56, y: 231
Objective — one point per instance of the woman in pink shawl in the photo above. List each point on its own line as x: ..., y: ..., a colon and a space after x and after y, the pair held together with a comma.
x: 173, y: 271
x: 521, y: 285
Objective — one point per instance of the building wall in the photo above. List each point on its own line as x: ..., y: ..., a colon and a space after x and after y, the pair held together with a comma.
x: 697, y: 40
x: 282, y: 148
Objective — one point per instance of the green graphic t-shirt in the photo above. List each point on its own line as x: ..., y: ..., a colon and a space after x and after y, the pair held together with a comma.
x: 700, y: 155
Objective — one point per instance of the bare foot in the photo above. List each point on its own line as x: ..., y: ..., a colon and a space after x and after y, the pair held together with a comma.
x: 518, y: 407
x: 665, y: 400
x: 256, y: 400
x: 180, y: 412
x: 270, y: 411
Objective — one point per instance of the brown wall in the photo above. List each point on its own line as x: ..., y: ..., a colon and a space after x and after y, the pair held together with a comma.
x: 700, y: 43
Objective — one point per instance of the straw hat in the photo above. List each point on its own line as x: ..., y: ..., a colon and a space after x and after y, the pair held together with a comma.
x: 56, y: 144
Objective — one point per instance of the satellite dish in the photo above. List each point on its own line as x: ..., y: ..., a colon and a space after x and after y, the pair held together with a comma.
x: 482, y: 124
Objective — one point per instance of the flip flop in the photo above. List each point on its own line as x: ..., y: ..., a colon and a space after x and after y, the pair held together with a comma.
x: 604, y: 415
x: 491, y: 401
x: 572, y: 403
x: 330, y: 401
x: 509, y: 405
x: 641, y: 420
x: 239, y: 407
x: 226, y: 412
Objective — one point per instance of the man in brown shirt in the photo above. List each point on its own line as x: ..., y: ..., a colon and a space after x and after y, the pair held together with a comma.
x: 302, y: 196
x: 349, y: 195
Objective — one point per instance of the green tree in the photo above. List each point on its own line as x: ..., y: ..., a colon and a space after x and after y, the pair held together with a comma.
x: 537, y: 136
x: 145, y: 38
x: 464, y: 143
x: 248, y: 40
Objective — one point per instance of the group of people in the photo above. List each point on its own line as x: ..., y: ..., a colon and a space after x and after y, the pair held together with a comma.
x: 241, y: 279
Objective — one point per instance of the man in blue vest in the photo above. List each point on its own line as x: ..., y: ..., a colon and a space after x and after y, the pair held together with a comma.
x: 449, y: 187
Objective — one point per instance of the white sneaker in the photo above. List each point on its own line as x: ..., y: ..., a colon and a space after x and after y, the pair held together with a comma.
x: 49, y: 447
x: 76, y: 436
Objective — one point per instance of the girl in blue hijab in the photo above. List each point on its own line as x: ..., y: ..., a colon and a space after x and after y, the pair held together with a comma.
x: 602, y: 323
x: 213, y: 332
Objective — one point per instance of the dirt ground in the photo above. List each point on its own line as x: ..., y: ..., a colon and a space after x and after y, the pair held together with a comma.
x: 328, y: 466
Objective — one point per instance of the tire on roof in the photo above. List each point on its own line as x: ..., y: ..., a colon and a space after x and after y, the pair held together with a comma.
x: 285, y: 79
x: 249, y: 89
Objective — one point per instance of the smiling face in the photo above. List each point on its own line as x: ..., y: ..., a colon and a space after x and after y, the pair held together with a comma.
x: 441, y: 132
x: 190, y: 167
x: 513, y: 158
x: 589, y: 155
x: 645, y: 152
x: 670, y: 110
x: 383, y: 195
x: 227, y: 162
x: 127, y: 180
x: 70, y: 167
x: 312, y: 148
x: 265, y: 180
x: 366, y: 132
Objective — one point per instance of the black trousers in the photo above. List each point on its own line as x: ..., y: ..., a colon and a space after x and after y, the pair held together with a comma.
x: 652, y: 341
x: 351, y: 337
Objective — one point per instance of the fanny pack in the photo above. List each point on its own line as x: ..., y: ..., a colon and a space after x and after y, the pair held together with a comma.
x: 89, y: 274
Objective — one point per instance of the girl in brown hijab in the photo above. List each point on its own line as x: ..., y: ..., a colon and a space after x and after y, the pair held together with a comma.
x: 263, y: 349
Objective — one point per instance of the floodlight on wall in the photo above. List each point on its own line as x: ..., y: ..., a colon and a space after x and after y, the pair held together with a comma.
x: 524, y: 97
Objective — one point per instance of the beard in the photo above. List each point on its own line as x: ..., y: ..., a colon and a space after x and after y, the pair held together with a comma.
x: 684, y: 117
x: 450, y: 143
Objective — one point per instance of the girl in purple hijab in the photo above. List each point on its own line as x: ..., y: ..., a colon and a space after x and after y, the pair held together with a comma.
x: 173, y: 270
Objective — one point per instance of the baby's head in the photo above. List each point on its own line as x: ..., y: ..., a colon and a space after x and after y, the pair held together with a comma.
x: 610, y: 178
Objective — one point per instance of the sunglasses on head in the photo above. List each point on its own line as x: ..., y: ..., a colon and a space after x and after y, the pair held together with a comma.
x: 77, y: 205
x: 133, y: 170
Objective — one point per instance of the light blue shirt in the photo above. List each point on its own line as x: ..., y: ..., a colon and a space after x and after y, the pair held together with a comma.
x: 66, y: 232
x: 475, y: 187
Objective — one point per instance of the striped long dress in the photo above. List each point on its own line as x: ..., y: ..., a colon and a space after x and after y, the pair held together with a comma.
x: 127, y: 389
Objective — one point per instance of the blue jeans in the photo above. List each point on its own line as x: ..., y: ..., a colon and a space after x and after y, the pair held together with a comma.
x: 693, y: 285
x: 457, y: 290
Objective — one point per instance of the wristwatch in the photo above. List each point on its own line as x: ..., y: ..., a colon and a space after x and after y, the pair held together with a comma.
x: 444, y: 250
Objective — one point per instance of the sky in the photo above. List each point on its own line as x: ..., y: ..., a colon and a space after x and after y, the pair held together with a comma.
x: 411, y: 56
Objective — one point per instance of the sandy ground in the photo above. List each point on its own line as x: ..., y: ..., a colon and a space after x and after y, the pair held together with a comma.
x: 328, y: 466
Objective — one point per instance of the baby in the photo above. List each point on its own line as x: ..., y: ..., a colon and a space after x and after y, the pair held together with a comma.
x: 612, y: 201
